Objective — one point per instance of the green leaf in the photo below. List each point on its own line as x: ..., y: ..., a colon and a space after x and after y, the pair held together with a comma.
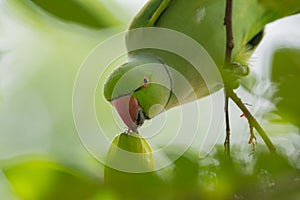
x: 286, y: 73
x: 186, y: 170
x: 88, y: 13
x: 78, y: 12
x: 42, y: 179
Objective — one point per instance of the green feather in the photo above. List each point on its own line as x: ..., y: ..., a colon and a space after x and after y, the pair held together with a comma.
x: 202, y: 20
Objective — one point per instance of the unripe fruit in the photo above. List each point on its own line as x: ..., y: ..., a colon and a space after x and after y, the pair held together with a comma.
x: 129, y: 164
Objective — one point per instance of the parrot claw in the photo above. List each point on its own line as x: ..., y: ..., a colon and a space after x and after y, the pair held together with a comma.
x: 129, y: 131
x: 237, y: 69
x: 233, y: 72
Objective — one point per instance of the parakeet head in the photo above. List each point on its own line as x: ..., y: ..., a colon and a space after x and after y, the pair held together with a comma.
x: 139, y: 89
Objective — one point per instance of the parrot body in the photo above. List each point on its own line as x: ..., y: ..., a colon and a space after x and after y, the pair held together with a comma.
x: 136, y: 90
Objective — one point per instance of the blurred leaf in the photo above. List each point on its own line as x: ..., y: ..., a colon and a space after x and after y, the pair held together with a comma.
x: 80, y: 12
x: 185, y: 180
x: 274, y: 164
x: 41, y: 179
x: 282, y: 6
x: 286, y: 73
x: 276, y: 178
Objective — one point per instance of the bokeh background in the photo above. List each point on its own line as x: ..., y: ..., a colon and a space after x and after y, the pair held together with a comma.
x: 43, y: 44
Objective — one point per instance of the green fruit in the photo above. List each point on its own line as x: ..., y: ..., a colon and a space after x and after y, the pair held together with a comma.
x: 130, y: 153
x: 130, y: 165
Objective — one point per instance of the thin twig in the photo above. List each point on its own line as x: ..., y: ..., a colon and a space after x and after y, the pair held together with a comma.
x: 252, y: 121
x: 227, y: 139
x: 252, y: 139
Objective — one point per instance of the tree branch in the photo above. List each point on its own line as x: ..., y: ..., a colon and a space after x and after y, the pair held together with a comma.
x: 252, y: 121
x: 229, y: 33
x: 229, y: 93
x: 229, y: 47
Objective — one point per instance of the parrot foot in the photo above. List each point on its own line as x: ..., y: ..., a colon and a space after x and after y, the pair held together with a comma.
x: 131, y: 130
x: 238, y: 69
x: 232, y: 73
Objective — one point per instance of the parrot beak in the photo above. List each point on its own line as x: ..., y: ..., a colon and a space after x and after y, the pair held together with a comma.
x: 128, y: 109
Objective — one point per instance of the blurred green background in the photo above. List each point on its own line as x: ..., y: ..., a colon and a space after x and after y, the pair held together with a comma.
x: 43, y: 44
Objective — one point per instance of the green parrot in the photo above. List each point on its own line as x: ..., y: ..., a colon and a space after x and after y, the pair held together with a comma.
x: 154, y: 80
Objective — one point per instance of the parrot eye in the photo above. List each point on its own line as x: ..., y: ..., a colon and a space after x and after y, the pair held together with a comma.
x: 146, y: 81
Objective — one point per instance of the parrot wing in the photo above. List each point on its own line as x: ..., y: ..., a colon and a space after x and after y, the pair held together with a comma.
x: 150, y: 13
x: 203, y: 21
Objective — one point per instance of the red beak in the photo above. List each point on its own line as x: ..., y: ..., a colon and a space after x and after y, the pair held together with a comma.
x: 127, y: 107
